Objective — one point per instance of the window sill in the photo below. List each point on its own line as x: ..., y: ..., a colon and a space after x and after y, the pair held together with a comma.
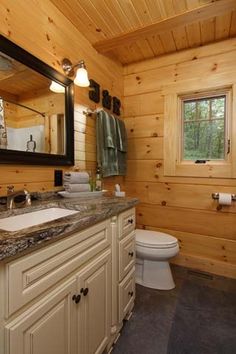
x: 210, y: 169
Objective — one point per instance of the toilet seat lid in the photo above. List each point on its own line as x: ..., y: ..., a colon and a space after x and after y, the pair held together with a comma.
x: 154, y: 239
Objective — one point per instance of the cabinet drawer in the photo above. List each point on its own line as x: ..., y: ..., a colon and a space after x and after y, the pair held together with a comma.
x: 30, y: 276
x: 126, y: 294
x: 127, y: 255
x: 126, y: 222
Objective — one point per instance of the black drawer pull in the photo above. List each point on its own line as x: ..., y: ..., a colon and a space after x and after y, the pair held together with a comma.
x: 130, y: 221
x: 130, y: 293
x: 131, y: 254
x: 84, y: 291
x: 76, y: 298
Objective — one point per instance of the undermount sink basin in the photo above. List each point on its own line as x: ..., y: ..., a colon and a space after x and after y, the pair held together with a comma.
x: 22, y: 221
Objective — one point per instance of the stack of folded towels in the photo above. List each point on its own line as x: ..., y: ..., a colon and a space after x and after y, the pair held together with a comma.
x: 75, y: 182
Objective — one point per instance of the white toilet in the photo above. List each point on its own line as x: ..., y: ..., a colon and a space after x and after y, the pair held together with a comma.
x: 153, y: 250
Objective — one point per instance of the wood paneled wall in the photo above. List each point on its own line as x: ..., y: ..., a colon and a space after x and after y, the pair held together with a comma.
x: 40, y: 28
x: 181, y: 206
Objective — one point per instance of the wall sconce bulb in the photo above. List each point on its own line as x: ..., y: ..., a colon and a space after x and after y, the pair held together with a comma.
x: 81, y: 75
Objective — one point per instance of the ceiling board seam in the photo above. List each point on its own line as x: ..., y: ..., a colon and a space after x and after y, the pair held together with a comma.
x: 181, y: 11
x: 101, y: 18
x: 174, y: 39
x: 162, y: 9
x: 122, y: 14
x: 111, y: 14
x: 214, y: 28
x: 186, y: 33
x: 172, y: 34
x: 113, y: 17
x: 141, y: 23
x: 145, y: 39
x: 148, y: 11
x: 201, y: 39
x: 160, y: 50
x: 162, y: 45
x: 231, y: 21
x: 135, y: 12
x: 126, y: 14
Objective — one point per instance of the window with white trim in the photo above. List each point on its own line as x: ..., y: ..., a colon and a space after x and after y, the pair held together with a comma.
x: 200, y: 133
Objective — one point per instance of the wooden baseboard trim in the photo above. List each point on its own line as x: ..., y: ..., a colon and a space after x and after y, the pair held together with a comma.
x: 206, y: 264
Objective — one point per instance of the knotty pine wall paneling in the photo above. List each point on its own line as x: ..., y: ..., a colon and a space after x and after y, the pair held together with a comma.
x: 41, y: 29
x: 181, y: 206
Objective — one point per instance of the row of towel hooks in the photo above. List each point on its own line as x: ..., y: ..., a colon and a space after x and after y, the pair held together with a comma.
x: 89, y: 112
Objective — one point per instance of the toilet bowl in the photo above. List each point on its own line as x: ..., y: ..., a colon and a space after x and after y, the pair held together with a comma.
x: 153, y: 251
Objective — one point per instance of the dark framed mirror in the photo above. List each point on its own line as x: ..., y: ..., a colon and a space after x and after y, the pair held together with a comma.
x: 36, y: 110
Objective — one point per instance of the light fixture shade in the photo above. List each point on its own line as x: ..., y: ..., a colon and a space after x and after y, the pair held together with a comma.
x: 81, y: 78
x: 57, y: 88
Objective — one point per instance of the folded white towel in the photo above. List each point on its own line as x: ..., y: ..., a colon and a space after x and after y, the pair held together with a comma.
x: 85, y: 187
x: 76, y: 177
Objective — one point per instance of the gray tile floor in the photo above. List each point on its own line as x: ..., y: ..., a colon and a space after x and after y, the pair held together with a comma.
x: 197, y: 317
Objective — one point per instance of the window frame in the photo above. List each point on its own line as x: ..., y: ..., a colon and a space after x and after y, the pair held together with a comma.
x: 174, y: 165
x: 227, y: 121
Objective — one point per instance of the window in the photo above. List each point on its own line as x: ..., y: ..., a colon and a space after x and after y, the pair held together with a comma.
x: 204, y: 128
x: 200, y: 133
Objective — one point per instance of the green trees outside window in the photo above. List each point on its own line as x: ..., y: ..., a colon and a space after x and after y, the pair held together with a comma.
x: 204, y: 128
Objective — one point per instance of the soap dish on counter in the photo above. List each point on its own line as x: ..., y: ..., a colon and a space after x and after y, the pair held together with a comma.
x: 94, y: 194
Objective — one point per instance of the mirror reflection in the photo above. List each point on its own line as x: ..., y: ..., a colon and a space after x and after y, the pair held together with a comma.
x: 32, y: 117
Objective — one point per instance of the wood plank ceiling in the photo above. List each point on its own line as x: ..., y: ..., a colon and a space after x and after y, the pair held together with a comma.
x: 24, y: 81
x: 18, y: 79
x: 162, y: 26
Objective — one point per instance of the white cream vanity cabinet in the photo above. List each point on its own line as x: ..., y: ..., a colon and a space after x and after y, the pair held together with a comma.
x: 59, y: 299
x: 123, y: 271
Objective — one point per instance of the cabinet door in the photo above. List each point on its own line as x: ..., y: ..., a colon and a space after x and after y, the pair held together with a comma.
x: 95, y: 308
x: 49, y: 327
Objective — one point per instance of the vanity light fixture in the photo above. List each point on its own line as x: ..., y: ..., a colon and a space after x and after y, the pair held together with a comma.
x: 81, y: 76
x: 57, y: 88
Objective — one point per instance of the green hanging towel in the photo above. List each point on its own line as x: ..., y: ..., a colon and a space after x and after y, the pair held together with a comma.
x: 121, y: 146
x: 107, y: 144
x: 111, y: 144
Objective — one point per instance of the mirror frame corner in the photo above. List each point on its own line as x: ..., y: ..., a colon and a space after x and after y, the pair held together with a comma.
x: 32, y: 158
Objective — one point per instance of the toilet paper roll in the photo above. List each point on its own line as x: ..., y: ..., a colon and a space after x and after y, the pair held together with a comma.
x: 225, y: 199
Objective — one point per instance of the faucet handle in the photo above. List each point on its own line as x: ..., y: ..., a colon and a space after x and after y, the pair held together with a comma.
x: 10, y: 189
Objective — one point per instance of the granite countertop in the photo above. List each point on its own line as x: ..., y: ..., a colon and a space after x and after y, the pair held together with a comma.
x: 90, y: 212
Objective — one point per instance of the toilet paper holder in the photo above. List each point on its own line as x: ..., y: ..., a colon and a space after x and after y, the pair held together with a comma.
x: 216, y: 196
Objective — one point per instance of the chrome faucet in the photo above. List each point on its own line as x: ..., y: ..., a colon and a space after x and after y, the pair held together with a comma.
x: 11, y: 195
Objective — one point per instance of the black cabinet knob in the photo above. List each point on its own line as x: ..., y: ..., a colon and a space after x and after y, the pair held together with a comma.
x: 131, y: 254
x: 76, y: 298
x: 84, y: 291
x: 130, y: 221
x: 131, y: 293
